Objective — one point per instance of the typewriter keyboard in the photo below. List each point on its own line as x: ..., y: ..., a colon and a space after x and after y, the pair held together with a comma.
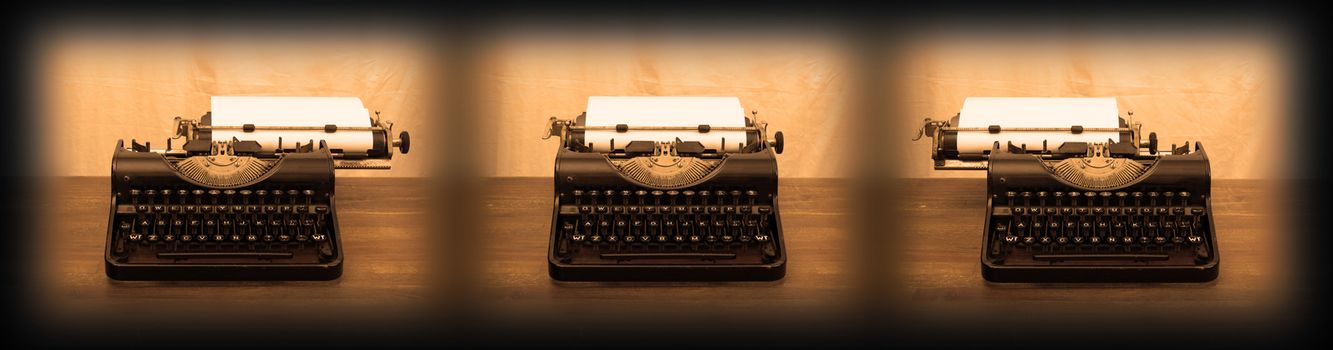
x: 1099, y: 228
x: 666, y: 227
x: 177, y: 225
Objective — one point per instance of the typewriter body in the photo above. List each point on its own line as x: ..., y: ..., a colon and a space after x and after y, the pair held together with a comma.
x: 637, y: 199
x: 224, y: 206
x: 1070, y: 209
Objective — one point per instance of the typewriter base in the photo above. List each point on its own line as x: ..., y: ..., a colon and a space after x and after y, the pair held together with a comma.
x: 1075, y: 274
x: 665, y: 273
x: 223, y: 272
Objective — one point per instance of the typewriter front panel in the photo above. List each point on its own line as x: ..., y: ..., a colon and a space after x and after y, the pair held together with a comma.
x: 165, y: 225
x: 608, y: 227
x: 1040, y: 228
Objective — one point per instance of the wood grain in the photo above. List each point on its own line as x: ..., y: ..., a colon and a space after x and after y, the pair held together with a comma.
x: 943, y: 285
x: 383, y: 277
x: 936, y: 275
x: 519, y: 213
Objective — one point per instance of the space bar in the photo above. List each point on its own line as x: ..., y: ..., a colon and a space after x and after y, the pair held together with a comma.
x: 226, y: 255
x: 1084, y: 257
x: 705, y: 256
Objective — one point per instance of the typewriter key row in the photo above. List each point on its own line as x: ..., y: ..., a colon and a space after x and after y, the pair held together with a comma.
x: 677, y: 225
x: 183, y: 218
x: 1104, y: 198
x: 671, y: 197
x: 220, y: 209
x: 1052, y: 224
x: 665, y: 209
x: 225, y: 230
x: 217, y: 197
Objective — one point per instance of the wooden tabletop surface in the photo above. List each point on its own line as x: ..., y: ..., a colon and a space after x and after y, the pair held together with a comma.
x: 934, y: 277
x: 383, y: 277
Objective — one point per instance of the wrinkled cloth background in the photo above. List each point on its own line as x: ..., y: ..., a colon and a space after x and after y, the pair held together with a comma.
x: 797, y: 84
x: 1224, y: 90
x: 97, y: 88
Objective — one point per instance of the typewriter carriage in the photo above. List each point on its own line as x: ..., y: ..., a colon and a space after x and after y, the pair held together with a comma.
x: 197, y: 137
x: 943, y: 137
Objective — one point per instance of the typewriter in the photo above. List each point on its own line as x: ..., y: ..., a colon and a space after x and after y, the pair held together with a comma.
x: 665, y: 189
x: 1076, y: 194
x: 248, y: 193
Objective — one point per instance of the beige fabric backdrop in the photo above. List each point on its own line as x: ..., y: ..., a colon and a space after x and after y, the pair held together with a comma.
x: 98, y: 87
x: 1224, y: 89
x: 796, y: 82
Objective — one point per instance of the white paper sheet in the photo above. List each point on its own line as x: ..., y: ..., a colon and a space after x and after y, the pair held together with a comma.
x: 293, y: 111
x: 1035, y: 112
x: 664, y: 111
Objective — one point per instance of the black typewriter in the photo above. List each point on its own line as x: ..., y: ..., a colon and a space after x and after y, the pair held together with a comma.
x: 233, y: 209
x: 652, y: 210
x: 1115, y: 211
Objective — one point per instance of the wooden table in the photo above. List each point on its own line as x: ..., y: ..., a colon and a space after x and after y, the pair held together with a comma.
x: 942, y: 288
x: 925, y: 280
x: 384, y: 280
